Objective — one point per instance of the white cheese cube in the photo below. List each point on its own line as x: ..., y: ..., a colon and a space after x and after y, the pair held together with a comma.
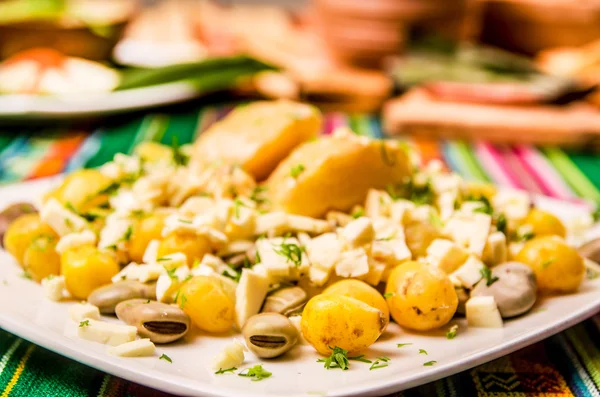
x: 514, y: 204
x: 214, y: 262
x: 151, y: 252
x: 71, y: 240
x: 178, y: 224
x: 149, y: 272
x: 469, y: 230
x: 274, y: 255
x: 236, y: 247
x: 242, y: 223
x: 483, y: 312
x: 231, y: 356
x: 470, y: 272
x: 196, y: 205
x: 81, y: 311
x: 400, y: 210
x: 168, y: 283
x: 391, y: 251
x: 123, y: 274
x: 54, y: 287
x: 116, y: 232
x: 445, y: 182
x: 446, y: 255
x: 203, y: 270
x: 216, y: 238
x: 324, y: 251
x: 445, y: 203
x: 274, y: 223
x: 495, y: 251
x: 298, y: 223
x: 386, y: 229
x: 422, y: 214
x: 377, y: 203
x: 62, y: 220
x: 137, y: 348
x: 106, y: 333
x: 514, y: 248
x: 353, y: 263
x: 172, y: 261
x: 358, y: 233
x: 250, y: 294
x: 375, y: 274
x: 304, y: 238
x: 318, y: 276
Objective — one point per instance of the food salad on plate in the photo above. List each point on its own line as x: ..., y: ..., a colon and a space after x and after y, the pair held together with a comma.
x: 287, y: 237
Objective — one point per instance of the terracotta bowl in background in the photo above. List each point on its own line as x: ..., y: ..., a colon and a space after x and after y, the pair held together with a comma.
x: 529, y: 26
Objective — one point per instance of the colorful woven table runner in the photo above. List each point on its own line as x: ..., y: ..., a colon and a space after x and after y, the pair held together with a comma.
x: 567, y: 364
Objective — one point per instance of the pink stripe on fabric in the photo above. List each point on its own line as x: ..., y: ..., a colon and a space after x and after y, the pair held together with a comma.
x: 333, y: 121
x: 545, y: 175
x: 493, y: 163
x: 520, y: 172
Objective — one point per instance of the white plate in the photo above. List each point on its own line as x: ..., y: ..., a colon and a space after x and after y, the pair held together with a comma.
x: 24, y: 312
x: 36, y: 106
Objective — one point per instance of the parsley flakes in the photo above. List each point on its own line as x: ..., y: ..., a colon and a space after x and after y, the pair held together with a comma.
x: 403, y: 344
x: 429, y: 363
x: 296, y: 170
x: 222, y: 371
x: 84, y: 323
x: 256, y: 373
x: 292, y: 252
x: 486, y: 274
x: 451, y: 334
x: 166, y: 358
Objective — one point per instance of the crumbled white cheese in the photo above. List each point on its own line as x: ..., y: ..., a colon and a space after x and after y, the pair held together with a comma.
x: 469, y: 230
x: 250, y: 295
x: 299, y: 223
x: 169, y: 282
x: 400, y: 210
x: 54, y: 287
x: 137, y: 348
x: 445, y: 203
x: 80, y: 311
x: 151, y: 252
x: 376, y: 270
x: 514, y: 248
x: 172, y: 261
x: 177, y: 223
x: 391, y: 252
x: 446, y: 255
x: 358, y: 233
x: 231, y: 356
x: 470, y: 272
x: 276, y: 259
x: 352, y: 263
x: 296, y: 322
x: 71, y: 240
x: 482, y: 311
x: 495, y: 251
x: 196, y: 205
x: 116, y: 232
x: 323, y: 252
x: 106, y: 333
x: 62, y: 220
x: 515, y: 204
x: 377, y: 203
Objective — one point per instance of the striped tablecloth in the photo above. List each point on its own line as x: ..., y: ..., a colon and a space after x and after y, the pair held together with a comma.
x: 567, y: 364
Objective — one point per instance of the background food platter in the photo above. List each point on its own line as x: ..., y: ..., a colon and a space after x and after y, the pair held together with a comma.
x: 297, y: 373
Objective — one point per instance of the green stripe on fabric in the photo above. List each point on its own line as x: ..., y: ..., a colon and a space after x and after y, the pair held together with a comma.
x: 183, y: 126
x: 589, y: 166
x: 362, y: 126
x: 13, y: 362
x: 114, y: 140
x: 153, y: 128
x: 47, y: 371
x: 586, y: 350
x: 462, y: 159
x: 571, y: 174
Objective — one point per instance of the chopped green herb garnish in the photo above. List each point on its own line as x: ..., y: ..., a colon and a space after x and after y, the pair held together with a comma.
x: 256, y: 195
x: 389, y: 160
x: 360, y: 358
x: 486, y: 206
x: 110, y: 189
x: 384, y: 359
x: 127, y: 235
x: 435, y: 220
x: 418, y: 194
x: 451, y: 334
x: 138, y: 213
x: 292, y: 253
x: 182, y: 300
x: 358, y: 213
x: 166, y: 358
x: 547, y: 263
x: 163, y: 259
x: 179, y: 157
x: 237, y: 203
x: 297, y: 170
x: 222, y: 371
x: 235, y: 276
x: 486, y: 274
x: 423, y: 351
x: 148, y: 301
x: 502, y: 224
x: 188, y: 277
x: 26, y: 275
x: 403, y: 344
x: 377, y: 365
x: 84, y: 323
x: 596, y: 213
x: 337, y: 359
x: 526, y: 236
x: 257, y: 256
x: 429, y: 363
x: 186, y: 221
x: 111, y: 247
x: 388, y: 295
x: 590, y: 274
x: 256, y: 373
x: 171, y: 273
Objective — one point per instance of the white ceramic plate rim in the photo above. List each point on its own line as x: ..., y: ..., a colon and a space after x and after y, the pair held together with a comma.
x: 178, y: 384
x: 19, y: 106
